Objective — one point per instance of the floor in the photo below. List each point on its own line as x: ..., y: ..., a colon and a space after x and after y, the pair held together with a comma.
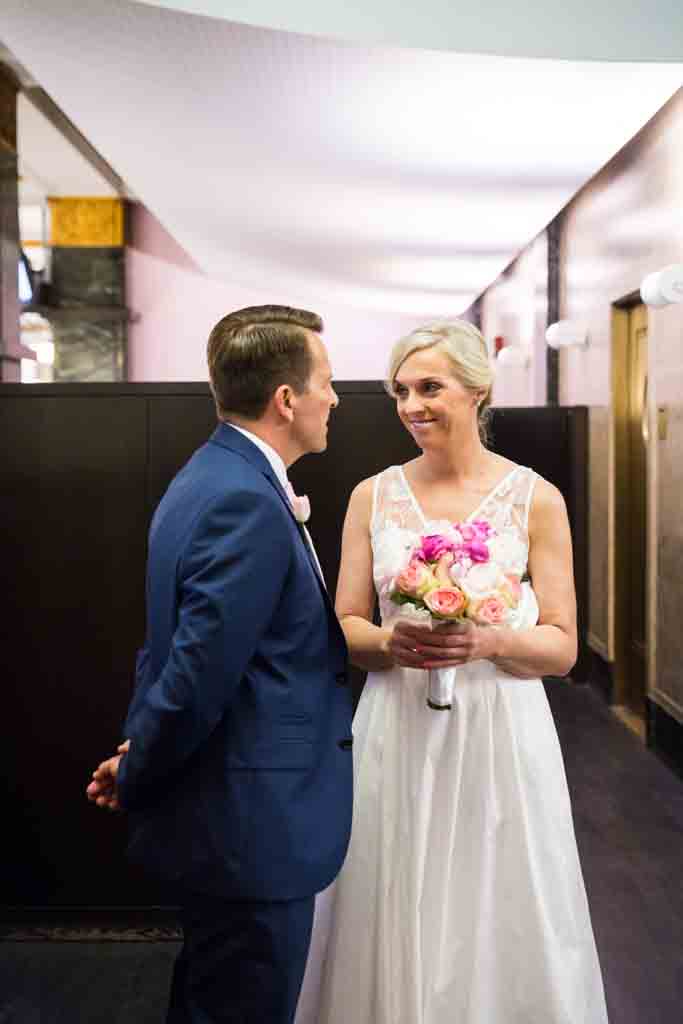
x: 628, y: 815
x: 628, y: 811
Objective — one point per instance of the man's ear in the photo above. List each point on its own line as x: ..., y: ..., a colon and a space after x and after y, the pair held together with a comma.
x: 282, y: 400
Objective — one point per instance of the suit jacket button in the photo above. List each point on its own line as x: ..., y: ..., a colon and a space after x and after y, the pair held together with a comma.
x: 346, y: 744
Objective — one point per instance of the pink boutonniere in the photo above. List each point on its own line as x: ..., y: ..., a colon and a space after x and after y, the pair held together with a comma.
x: 301, y: 507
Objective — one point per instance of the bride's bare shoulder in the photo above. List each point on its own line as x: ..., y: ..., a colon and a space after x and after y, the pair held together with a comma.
x: 364, y: 491
x: 362, y: 497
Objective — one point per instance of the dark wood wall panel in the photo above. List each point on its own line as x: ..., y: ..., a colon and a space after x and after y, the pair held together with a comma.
x: 82, y: 470
x: 554, y: 442
x: 364, y: 438
x: 76, y: 483
x: 177, y: 426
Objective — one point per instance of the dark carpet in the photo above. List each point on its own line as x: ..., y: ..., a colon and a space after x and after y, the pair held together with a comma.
x: 628, y: 813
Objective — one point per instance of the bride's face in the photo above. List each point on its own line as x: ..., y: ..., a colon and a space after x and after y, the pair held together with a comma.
x: 431, y: 402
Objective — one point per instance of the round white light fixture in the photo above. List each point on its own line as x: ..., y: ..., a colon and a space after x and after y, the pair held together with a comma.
x: 664, y: 286
x: 567, y: 334
x: 513, y: 355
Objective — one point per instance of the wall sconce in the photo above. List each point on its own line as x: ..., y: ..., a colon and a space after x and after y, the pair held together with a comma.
x: 513, y: 355
x: 567, y: 334
x: 664, y: 286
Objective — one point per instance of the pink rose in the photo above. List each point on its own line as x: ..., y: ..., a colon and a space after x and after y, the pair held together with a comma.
x: 488, y: 611
x: 478, y: 551
x: 482, y: 528
x: 434, y: 545
x: 446, y: 603
x: 415, y: 580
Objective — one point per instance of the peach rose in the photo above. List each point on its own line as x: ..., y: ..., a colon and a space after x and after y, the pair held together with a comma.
x: 488, y: 611
x: 415, y: 580
x: 446, y: 603
x: 511, y: 589
x: 442, y: 569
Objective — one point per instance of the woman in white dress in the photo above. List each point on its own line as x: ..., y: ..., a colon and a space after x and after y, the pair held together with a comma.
x: 461, y: 900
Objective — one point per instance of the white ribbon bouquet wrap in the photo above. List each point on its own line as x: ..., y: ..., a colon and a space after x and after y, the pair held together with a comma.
x: 453, y: 577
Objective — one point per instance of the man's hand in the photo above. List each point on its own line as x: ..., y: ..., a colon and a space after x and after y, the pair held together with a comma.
x: 102, y: 790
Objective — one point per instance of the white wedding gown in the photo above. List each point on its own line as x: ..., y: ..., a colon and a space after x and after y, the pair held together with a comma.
x: 461, y: 900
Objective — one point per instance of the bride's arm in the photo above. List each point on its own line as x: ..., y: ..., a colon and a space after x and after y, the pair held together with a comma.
x: 550, y: 648
x: 370, y: 647
x: 368, y: 644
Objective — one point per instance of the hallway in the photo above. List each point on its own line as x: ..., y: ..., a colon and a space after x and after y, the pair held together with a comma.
x: 628, y: 812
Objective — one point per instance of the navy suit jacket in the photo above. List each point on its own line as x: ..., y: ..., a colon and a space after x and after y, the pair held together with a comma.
x: 239, y: 774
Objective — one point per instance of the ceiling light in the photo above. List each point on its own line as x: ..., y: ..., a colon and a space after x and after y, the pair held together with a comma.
x: 567, y: 334
x: 664, y: 286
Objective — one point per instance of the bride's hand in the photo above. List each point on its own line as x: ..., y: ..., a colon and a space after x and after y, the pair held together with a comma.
x: 402, y: 646
x: 448, y: 646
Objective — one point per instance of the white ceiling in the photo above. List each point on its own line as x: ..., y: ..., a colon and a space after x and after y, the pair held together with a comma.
x: 580, y: 30
x: 48, y: 164
x: 382, y: 178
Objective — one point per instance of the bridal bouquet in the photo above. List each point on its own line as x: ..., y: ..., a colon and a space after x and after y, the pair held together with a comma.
x: 459, y: 575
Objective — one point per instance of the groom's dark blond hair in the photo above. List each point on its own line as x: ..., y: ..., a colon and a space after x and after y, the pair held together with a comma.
x: 252, y: 351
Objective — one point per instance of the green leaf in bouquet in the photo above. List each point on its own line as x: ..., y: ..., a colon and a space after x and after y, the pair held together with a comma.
x: 399, y: 598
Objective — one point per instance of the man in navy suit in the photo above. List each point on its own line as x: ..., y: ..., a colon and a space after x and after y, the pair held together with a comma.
x: 237, y: 772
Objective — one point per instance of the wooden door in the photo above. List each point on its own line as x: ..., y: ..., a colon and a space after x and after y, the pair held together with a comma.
x: 630, y: 386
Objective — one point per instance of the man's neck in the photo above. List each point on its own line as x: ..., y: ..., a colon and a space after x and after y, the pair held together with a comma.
x: 268, y: 433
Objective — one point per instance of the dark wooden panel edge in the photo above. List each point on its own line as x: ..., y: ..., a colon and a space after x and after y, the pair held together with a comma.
x: 345, y: 387
x: 665, y: 736
x: 577, y: 428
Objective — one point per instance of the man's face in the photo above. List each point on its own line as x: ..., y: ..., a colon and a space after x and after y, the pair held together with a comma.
x: 312, y: 408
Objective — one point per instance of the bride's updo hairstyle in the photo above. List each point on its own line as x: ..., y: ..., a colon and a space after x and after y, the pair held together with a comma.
x: 466, y: 351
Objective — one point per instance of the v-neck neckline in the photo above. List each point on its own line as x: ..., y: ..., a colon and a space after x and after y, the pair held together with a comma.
x: 480, y: 506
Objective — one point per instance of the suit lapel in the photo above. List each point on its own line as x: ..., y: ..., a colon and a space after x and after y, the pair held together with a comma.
x: 228, y: 437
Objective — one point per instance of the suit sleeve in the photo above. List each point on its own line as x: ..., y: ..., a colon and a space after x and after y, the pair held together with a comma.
x: 230, y: 582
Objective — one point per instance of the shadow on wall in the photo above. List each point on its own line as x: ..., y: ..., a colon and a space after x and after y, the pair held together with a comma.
x: 148, y: 236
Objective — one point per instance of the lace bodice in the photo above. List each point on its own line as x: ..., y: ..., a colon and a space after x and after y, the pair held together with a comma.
x: 397, y: 522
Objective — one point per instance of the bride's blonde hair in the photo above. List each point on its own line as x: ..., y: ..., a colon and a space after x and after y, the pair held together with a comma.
x: 466, y: 349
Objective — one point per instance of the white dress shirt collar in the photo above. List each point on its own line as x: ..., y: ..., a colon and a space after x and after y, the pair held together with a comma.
x: 280, y: 471
x: 274, y: 458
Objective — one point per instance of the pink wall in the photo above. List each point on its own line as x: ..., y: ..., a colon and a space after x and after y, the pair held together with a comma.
x: 175, y: 306
x: 515, y: 307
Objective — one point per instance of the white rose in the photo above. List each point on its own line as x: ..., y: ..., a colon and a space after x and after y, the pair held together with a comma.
x: 508, y: 552
x: 481, y: 579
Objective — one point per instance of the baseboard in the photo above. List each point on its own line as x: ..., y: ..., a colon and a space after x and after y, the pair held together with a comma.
x: 89, y: 924
x: 600, y: 676
x: 598, y: 646
x: 665, y: 736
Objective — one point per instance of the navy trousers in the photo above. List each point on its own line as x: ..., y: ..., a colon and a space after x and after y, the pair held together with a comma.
x: 241, y: 962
